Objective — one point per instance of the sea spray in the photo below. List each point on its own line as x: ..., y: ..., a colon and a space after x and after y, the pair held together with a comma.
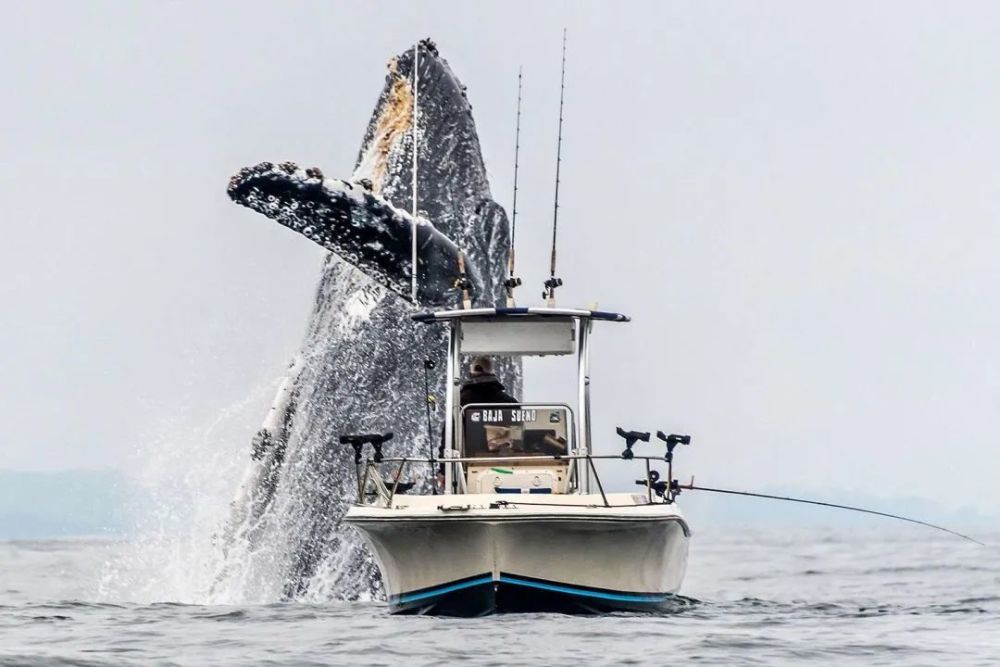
x: 185, y: 481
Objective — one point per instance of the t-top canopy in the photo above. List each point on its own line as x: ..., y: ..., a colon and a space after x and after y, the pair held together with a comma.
x: 525, y: 313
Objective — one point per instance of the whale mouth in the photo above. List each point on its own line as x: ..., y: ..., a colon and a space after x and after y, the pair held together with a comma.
x: 364, y: 229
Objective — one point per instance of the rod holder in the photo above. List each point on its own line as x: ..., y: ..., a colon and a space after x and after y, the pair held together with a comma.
x: 631, y: 437
x: 672, y: 441
x: 357, y: 441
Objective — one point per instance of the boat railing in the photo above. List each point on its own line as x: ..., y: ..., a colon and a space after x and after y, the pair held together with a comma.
x: 371, y: 482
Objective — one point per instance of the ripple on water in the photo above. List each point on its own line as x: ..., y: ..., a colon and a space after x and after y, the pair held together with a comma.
x: 750, y: 603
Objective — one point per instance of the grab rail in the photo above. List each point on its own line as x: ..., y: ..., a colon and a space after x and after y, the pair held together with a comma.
x: 382, y: 490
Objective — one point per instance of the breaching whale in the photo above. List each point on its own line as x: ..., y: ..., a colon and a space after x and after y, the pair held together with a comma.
x: 360, y: 367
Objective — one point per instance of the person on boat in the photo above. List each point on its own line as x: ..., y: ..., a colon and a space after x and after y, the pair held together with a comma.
x: 483, y: 386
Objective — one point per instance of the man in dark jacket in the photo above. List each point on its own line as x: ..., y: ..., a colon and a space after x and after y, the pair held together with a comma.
x: 482, y: 385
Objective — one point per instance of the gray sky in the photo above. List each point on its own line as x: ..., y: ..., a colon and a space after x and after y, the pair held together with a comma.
x: 797, y: 202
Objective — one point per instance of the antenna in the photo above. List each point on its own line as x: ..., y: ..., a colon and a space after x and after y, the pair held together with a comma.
x: 552, y: 283
x: 512, y: 281
x: 413, y: 225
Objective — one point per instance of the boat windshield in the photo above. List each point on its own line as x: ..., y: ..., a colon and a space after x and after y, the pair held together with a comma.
x: 500, y: 430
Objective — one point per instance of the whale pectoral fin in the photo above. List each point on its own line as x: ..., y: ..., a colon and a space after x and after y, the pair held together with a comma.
x: 362, y: 228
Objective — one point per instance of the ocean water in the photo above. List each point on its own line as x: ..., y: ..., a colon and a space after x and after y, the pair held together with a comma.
x: 879, y: 595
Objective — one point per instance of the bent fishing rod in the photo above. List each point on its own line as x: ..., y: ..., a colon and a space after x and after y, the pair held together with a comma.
x: 670, y: 488
x: 731, y: 492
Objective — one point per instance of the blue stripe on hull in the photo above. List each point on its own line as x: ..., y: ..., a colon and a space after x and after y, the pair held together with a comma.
x: 615, y: 596
x: 481, y: 594
x: 442, y: 590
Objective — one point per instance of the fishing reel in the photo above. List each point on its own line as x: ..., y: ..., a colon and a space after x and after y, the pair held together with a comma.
x: 464, y: 285
x: 664, y: 489
x: 550, y: 287
x: 512, y: 282
x: 358, y: 441
x: 509, y: 285
x: 429, y: 365
x: 631, y: 437
x: 672, y: 441
x: 661, y: 489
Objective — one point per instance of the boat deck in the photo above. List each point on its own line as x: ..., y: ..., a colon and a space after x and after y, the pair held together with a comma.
x: 501, y: 506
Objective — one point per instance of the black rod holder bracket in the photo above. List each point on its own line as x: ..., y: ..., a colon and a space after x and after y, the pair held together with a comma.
x: 631, y: 437
x: 357, y: 441
x: 672, y: 441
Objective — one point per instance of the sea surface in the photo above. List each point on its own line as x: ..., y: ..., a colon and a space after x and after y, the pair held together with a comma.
x: 880, y: 595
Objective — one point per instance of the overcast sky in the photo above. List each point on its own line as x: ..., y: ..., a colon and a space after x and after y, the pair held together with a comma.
x: 797, y: 202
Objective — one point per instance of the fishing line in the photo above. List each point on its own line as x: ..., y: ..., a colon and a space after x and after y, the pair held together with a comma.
x: 825, y: 504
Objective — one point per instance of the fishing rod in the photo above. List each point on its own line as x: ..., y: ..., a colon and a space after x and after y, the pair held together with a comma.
x: 552, y: 283
x: 428, y: 366
x: 513, y: 281
x: 768, y: 496
x: 670, y: 488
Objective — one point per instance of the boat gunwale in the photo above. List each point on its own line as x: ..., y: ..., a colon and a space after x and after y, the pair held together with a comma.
x: 373, y: 520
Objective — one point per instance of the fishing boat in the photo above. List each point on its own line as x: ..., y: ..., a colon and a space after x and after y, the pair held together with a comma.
x: 521, y: 521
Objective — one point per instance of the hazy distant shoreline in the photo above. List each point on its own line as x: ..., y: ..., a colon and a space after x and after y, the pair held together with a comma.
x: 107, y: 504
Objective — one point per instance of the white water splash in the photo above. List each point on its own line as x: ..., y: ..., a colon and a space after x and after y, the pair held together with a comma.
x: 184, y: 489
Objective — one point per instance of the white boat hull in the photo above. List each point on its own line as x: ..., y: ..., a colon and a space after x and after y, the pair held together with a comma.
x: 476, y: 554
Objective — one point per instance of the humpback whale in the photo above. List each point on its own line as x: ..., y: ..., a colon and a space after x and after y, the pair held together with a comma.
x: 360, y: 367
